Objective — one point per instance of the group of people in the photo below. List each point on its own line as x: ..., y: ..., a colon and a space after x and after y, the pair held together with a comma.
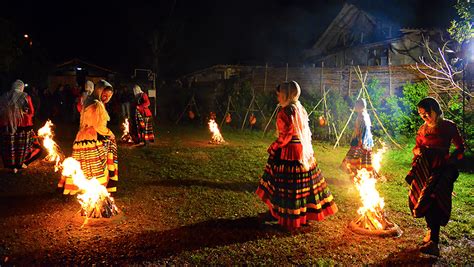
x: 292, y: 185
x: 295, y: 191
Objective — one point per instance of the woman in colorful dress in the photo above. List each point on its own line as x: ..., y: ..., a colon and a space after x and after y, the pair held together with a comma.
x: 95, y: 146
x: 292, y: 185
x: 19, y: 142
x: 434, y: 171
x: 359, y: 155
x: 143, y: 122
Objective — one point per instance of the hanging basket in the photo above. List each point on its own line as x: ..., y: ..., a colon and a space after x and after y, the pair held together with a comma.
x: 228, y: 118
x: 191, y: 115
x: 252, y: 120
x: 322, y: 121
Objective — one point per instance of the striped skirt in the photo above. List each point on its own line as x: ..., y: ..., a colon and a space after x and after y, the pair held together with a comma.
x: 98, y: 159
x: 430, y: 187
x: 357, y: 158
x: 20, y: 148
x: 144, y: 128
x: 294, y: 194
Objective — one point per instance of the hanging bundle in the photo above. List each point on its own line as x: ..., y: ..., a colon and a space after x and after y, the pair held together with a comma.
x: 228, y: 118
x: 252, y: 119
x: 322, y: 121
x: 191, y: 114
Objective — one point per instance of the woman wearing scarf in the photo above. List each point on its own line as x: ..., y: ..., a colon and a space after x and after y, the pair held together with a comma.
x: 292, y: 185
x: 95, y: 147
x: 143, y: 126
x: 434, y: 171
x: 19, y: 142
x: 359, y: 155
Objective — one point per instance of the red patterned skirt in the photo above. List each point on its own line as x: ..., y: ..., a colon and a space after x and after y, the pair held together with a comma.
x: 98, y: 159
x: 20, y: 148
x: 295, y: 194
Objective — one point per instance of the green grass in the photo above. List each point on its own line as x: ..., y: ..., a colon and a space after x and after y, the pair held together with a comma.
x: 216, y: 182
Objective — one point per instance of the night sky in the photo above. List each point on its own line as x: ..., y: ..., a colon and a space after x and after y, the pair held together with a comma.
x: 198, y: 33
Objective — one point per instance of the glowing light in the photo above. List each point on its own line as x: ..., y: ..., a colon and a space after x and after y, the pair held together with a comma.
x: 26, y: 36
x: 216, y: 137
x: 54, y: 154
x: 94, y: 198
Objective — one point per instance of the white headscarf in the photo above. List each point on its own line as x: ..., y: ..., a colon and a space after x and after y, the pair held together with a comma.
x: 13, y: 105
x: 301, y: 123
x: 89, y: 87
x: 137, y: 90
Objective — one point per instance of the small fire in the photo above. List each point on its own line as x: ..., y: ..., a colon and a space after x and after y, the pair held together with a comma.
x: 95, y: 200
x: 216, y: 134
x: 126, y: 138
x: 372, y: 216
x: 377, y: 158
x: 54, y: 154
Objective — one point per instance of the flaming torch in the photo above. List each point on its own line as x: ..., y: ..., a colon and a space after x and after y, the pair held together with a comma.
x: 54, y: 153
x: 372, y: 219
x: 94, y: 198
x: 216, y: 137
x: 126, y: 138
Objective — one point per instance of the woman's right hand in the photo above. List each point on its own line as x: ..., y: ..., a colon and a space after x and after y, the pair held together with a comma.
x: 416, y: 151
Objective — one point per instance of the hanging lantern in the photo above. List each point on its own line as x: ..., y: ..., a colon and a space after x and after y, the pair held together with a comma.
x: 191, y: 115
x: 228, y: 118
x: 322, y: 121
x: 252, y: 119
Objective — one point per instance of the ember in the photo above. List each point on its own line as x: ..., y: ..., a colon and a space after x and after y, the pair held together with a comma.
x: 54, y: 153
x: 372, y: 219
x: 95, y: 201
x: 216, y: 137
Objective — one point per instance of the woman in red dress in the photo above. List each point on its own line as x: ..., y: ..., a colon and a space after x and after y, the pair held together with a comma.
x: 292, y: 185
x: 433, y: 171
x: 19, y: 143
x: 143, y: 122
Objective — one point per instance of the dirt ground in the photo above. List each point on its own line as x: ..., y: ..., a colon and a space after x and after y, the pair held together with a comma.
x: 40, y: 226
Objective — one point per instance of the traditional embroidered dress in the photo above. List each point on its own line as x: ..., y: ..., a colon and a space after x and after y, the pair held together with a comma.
x: 95, y: 148
x: 359, y: 155
x: 292, y: 185
x: 143, y: 124
x: 433, y: 173
x: 19, y: 143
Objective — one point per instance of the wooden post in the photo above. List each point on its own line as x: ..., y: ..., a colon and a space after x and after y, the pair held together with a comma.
x: 265, y: 79
x: 389, y: 74
x: 321, y: 78
x: 286, y: 75
x: 350, y: 81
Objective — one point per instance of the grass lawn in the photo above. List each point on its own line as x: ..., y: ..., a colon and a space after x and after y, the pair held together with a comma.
x: 184, y: 201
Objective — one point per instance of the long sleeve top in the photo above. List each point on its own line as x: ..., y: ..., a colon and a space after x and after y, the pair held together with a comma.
x: 288, y: 140
x: 143, y: 102
x: 94, y: 120
x: 29, y: 112
x: 435, y: 142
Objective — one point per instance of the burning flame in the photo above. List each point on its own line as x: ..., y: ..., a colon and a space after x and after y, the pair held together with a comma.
x: 372, y: 214
x: 94, y: 199
x: 126, y: 132
x: 54, y: 154
x: 216, y: 134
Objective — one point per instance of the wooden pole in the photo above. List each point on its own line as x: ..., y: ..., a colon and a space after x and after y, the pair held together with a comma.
x: 265, y: 79
x: 321, y: 78
x: 270, y: 120
x: 286, y: 75
x: 389, y: 74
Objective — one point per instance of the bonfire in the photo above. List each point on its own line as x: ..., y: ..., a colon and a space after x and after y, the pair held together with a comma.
x: 126, y: 137
x: 216, y: 137
x: 372, y: 219
x: 54, y: 153
x: 94, y: 198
